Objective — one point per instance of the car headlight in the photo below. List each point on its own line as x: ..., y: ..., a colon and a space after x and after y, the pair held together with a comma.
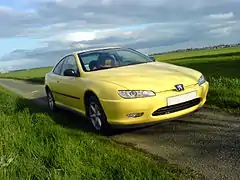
x: 128, y: 94
x: 201, y: 80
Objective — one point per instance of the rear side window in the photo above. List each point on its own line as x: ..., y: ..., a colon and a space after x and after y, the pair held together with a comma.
x: 58, y: 67
x: 69, y: 63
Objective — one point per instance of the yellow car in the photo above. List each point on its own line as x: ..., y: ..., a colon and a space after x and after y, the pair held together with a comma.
x: 121, y: 86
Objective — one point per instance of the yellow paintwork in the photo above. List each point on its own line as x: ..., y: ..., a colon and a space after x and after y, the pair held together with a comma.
x: 157, y: 76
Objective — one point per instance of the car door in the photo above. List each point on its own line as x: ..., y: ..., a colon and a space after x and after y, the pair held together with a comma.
x: 71, y: 91
x: 55, y: 79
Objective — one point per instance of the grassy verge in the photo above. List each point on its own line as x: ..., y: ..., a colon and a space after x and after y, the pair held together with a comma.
x: 222, y: 72
x: 36, y: 144
x: 32, y: 75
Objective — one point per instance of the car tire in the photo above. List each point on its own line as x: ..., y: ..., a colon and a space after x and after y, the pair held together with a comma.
x: 96, y: 115
x: 51, y: 101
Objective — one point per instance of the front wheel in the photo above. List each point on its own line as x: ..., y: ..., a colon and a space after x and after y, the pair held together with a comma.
x: 96, y: 115
x: 51, y: 101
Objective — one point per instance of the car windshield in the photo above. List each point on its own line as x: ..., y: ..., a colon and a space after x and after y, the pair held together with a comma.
x: 111, y: 58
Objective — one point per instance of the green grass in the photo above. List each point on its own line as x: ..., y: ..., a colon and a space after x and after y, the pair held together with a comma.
x: 36, y: 144
x: 32, y: 75
x: 194, y: 53
x: 221, y: 68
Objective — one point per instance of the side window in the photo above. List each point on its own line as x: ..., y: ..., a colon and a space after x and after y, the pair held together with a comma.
x: 89, y: 58
x: 69, y: 63
x: 58, y: 67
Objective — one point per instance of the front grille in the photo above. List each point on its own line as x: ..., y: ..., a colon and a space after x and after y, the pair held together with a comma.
x: 176, y: 107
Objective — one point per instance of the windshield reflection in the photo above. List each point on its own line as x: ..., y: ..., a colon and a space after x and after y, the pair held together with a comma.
x: 111, y: 58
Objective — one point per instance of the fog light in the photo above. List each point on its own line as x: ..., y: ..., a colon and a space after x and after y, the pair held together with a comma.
x: 135, y: 115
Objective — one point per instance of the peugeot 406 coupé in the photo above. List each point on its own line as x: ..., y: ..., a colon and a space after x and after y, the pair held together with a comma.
x: 121, y: 86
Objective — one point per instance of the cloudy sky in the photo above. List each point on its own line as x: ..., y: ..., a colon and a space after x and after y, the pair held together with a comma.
x: 37, y: 33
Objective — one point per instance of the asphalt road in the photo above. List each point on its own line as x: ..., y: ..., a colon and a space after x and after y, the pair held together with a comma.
x: 206, y: 141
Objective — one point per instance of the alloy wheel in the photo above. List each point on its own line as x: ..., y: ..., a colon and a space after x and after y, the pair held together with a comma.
x: 95, y: 115
x: 50, y: 100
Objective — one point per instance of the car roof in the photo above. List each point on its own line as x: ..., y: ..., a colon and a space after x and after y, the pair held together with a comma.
x: 95, y: 49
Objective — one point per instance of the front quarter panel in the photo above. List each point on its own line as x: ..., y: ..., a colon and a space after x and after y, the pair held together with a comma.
x: 102, y: 89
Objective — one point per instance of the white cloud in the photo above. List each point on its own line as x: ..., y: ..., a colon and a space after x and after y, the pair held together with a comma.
x: 69, y: 3
x: 89, y: 14
x: 225, y: 31
x: 64, y: 25
x: 128, y: 33
x: 80, y: 36
x: 222, y: 24
x: 18, y: 64
x: 93, y: 15
x: 5, y: 9
x: 221, y: 16
x: 106, y: 2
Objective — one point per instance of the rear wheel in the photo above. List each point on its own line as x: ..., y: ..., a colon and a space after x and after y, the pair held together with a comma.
x: 51, y: 101
x: 96, y: 115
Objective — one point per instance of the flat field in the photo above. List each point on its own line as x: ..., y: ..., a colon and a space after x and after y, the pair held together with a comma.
x: 221, y: 67
x: 35, y: 75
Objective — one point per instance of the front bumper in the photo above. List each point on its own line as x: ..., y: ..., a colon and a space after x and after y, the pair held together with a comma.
x: 117, y: 111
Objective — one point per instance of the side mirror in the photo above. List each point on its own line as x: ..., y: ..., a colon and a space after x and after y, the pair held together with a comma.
x: 69, y: 72
x: 152, y: 58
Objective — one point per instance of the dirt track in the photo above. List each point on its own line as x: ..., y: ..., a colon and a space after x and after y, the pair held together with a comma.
x: 206, y: 141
